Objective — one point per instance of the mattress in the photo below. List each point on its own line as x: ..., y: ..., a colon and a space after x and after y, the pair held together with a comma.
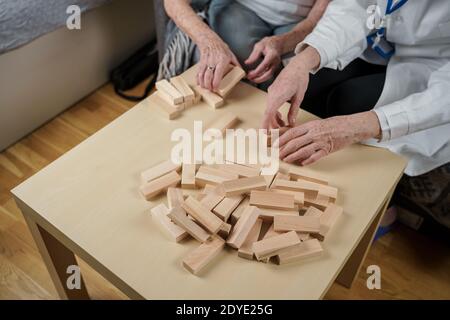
x: 21, y: 21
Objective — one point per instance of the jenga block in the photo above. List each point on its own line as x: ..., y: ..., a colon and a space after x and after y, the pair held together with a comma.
x: 267, y: 248
x: 178, y: 216
x: 320, y: 202
x: 181, y: 85
x: 202, y: 215
x: 300, y: 173
x: 208, y: 175
x: 269, y: 179
x: 212, y: 199
x: 269, y: 214
x: 281, y: 176
x: 239, y: 210
x: 302, y: 251
x: 198, y: 259
x: 328, y: 191
x: 168, y: 90
x: 306, y: 224
x: 224, y: 122
x: 244, y: 185
x: 188, y: 176
x: 313, y: 212
x: 299, y: 197
x: 225, y: 230
x: 324, y: 190
x: 226, y: 207
x: 230, y: 80
x: 271, y: 200
x: 159, y: 170
x: 153, y: 188
x: 328, y: 219
x: 271, y: 233
x: 246, y: 251
x: 159, y: 215
x: 174, y: 197
x: 310, y: 189
x: 209, y: 97
x: 240, y: 170
x: 243, y: 227
x: 167, y: 110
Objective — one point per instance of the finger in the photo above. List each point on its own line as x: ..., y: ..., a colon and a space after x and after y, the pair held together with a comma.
x: 314, y: 157
x: 209, y: 75
x: 293, y: 110
x: 266, y: 122
x: 219, y: 73
x: 254, y: 56
x: 294, y: 145
x: 201, y: 75
x: 262, y: 67
x: 280, y: 119
x: 265, y: 76
x: 302, y: 153
x: 235, y: 61
x: 292, y: 134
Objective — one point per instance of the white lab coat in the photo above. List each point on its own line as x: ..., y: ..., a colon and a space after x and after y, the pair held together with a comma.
x: 414, y: 107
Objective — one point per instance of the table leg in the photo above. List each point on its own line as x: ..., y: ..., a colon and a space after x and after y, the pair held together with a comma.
x: 351, y: 268
x: 57, y: 258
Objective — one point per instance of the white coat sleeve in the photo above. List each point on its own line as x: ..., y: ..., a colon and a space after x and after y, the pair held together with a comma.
x: 340, y: 35
x: 419, y: 111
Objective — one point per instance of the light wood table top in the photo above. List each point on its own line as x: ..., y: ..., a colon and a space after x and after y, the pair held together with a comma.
x: 89, y: 200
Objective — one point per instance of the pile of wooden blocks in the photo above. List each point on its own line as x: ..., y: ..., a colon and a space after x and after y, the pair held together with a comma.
x: 234, y: 204
x: 174, y: 96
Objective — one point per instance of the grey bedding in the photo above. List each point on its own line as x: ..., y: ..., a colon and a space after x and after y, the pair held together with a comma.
x: 24, y: 20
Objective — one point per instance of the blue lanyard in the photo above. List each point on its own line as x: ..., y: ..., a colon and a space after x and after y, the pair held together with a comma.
x: 380, y: 35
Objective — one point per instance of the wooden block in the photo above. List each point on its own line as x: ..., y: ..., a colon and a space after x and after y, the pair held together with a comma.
x: 198, y: 259
x: 299, y: 197
x: 174, y: 197
x: 178, y: 216
x: 271, y: 200
x: 271, y: 233
x: 209, y: 97
x: 224, y: 122
x: 202, y: 215
x: 313, y: 212
x: 165, y: 109
x: 324, y: 190
x: 159, y: 215
x: 281, y: 176
x: 269, y: 179
x: 267, y: 248
x: 240, y: 170
x: 188, y: 176
x: 310, y: 189
x: 168, y: 90
x: 243, y: 227
x: 300, y: 173
x: 225, y: 230
x: 320, y: 202
x: 246, y: 250
x: 269, y: 214
x: 328, y: 191
x: 226, y: 207
x: 306, y: 224
x: 244, y: 185
x: 302, y: 251
x: 230, y: 80
x: 328, y: 219
x: 209, y: 175
x: 159, y: 170
x: 212, y: 199
x: 239, y: 210
x: 153, y: 188
x: 181, y: 85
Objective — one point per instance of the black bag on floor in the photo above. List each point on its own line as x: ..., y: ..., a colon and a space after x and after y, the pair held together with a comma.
x: 140, y: 66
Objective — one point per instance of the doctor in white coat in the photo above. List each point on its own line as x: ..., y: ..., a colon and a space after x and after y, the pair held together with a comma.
x: 411, y: 114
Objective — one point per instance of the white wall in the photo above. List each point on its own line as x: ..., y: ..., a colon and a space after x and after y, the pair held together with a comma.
x: 45, y: 77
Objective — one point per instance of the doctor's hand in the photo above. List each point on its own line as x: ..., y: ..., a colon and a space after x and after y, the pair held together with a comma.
x: 313, y: 140
x: 290, y: 85
x: 215, y: 60
x: 270, y: 49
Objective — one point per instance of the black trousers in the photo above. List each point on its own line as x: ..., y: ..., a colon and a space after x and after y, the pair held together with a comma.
x: 355, y: 89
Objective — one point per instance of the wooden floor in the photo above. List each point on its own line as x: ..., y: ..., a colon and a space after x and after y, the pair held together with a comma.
x: 412, y: 266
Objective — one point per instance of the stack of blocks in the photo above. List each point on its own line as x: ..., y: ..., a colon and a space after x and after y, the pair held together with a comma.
x: 282, y: 218
x: 174, y: 96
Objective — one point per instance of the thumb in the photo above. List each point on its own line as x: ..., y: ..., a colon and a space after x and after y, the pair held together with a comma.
x: 254, y: 56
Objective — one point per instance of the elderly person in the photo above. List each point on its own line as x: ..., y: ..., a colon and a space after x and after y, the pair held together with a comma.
x: 254, y: 34
x: 392, y: 89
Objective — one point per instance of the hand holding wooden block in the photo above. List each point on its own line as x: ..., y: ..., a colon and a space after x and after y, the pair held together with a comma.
x: 230, y: 80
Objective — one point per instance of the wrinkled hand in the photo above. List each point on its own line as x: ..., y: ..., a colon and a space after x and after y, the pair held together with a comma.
x: 215, y: 60
x: 271, y: 49
x: 313, y: 140
x: 290, y: 85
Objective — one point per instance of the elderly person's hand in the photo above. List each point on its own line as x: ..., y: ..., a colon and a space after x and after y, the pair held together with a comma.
x: 270, y: 49
x: 215, y: 60
x: 313, y: 140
